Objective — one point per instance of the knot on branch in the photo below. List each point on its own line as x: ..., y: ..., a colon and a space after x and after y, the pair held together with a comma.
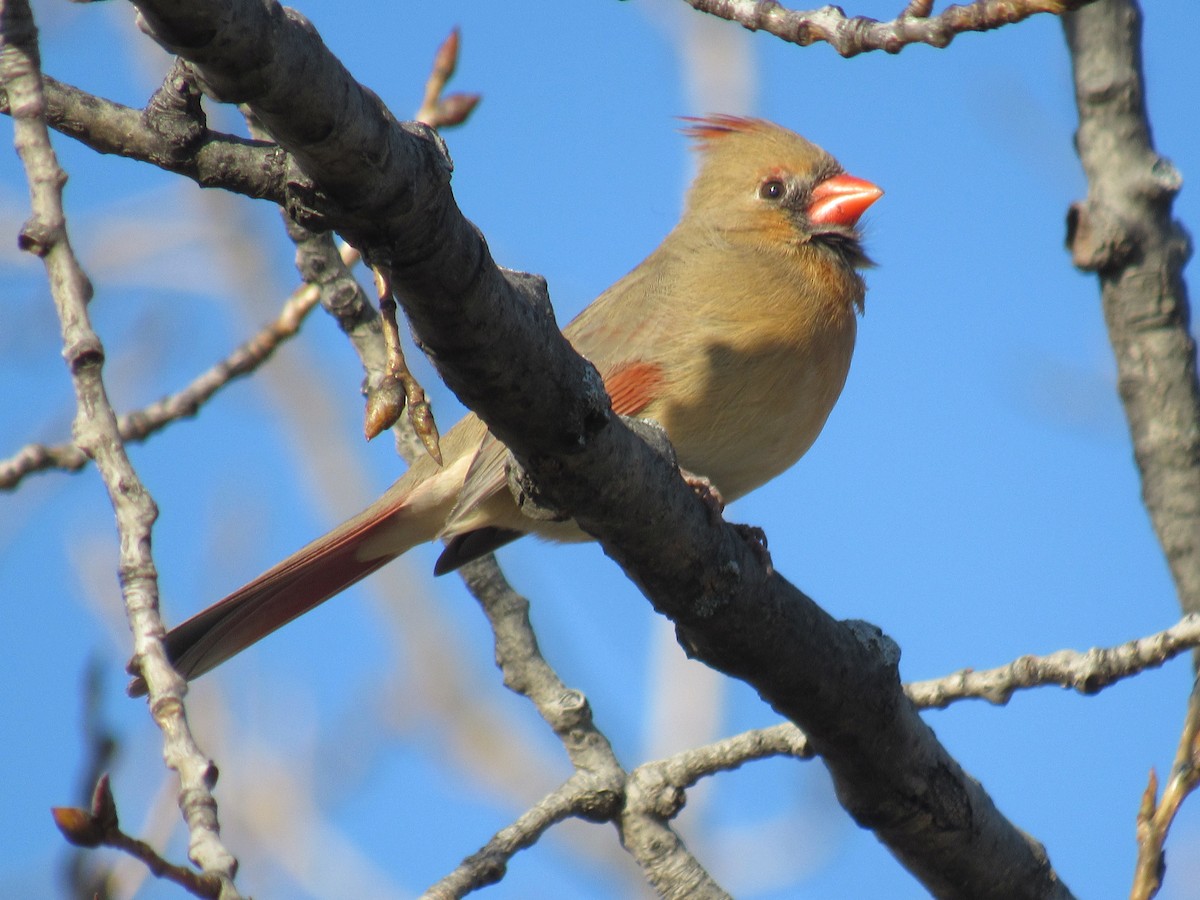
x: 654, y: 436
x: 39, y: 237
x: 87, y: 352
x: 1179, y: 246
x: 572, y: 711
x: 875, y: 642
x: 601, y: 801
x: 1165, y: 180
x: 650, y: 792
x: 1099, y: 240
x: 532, y: 288
x: 175, y: 113
x: 306, y: 204
x: 529, y: 498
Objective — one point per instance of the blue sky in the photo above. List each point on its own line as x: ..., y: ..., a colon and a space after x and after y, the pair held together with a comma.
x: 973, y: 492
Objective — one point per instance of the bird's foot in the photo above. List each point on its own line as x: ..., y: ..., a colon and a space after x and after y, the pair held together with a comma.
x: 756, y: 538
x: 707, y: 492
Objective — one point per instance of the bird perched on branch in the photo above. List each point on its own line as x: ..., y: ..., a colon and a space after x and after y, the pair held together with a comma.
x: 735, y: 335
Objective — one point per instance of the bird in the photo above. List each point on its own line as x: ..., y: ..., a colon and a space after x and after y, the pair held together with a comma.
x: 735, y: 335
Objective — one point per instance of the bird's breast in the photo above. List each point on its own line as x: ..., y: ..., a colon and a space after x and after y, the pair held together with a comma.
x: 746, y: 403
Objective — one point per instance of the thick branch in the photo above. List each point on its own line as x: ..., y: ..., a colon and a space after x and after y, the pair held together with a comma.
x: 1124, y: 232
x: 386, y: 187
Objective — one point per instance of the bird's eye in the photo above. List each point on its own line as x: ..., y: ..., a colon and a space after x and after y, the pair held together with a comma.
x: 772, y: 189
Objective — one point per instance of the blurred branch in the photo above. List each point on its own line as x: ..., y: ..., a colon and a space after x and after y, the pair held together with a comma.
x: 142, y: 423
x: 86, y: 879
x: 97, y: 433
x: 1124, y: 232
x: 850, y: 36
x: 1155, y: 816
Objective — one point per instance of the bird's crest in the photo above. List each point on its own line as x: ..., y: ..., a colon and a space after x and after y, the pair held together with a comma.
x: 707, y: 129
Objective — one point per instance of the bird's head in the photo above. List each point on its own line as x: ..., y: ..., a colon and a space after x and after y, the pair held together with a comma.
x: 762, y: 183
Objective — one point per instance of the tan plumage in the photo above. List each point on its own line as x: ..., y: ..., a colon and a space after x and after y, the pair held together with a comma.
x: 735, y: 334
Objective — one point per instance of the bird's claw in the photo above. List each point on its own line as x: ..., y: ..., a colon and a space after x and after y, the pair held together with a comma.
x: 707, y: 492
x: 756, y: 538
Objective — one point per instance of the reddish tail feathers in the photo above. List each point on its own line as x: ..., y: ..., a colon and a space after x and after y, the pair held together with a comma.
x: 301, y: 582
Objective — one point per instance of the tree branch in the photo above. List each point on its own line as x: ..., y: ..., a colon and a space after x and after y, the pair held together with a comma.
x: 169, y: 133
x: 100, y: 827
x: 1124, y: 233
x: 141, y: 424
x: 601, y: 788
x: 97, y: 434
x: 1087, y: 673
x: 385, y: 186
x: 858, y: 34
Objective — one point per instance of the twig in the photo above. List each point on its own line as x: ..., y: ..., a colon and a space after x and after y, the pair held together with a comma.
x: 445, y: 112
x: 1155, y: 816
x: 489, y: 863
x: 99, y: 827
x: 156, y: 135
x: 96, y: 432
x: 858, y: 34
x: 398, y: 389
x: 1087, y: 672
x: 142, y: 423
x: 644, y: 826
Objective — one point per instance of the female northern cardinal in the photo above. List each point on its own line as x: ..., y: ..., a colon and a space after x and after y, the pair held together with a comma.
x: 735, y: 335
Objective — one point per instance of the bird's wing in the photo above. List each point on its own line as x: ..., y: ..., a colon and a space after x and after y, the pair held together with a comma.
x: 601, y: 335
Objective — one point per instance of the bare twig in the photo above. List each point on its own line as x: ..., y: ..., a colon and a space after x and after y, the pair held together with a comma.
x: 1087, y: 672
x: 850, y: 36
x: 489, y: 863
x: 97, y: 434
x: 655, y: 789
x: 1155, y: 816
x: 600, y: 789
x: 399, y: 389
x: 141, y: 424
x: 99, y: 827
x: 445, y: 112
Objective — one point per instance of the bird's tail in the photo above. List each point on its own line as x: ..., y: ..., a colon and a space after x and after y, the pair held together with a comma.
x: 307, y: 578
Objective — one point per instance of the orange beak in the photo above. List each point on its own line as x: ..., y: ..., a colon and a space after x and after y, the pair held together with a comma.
x: 841, y: 200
